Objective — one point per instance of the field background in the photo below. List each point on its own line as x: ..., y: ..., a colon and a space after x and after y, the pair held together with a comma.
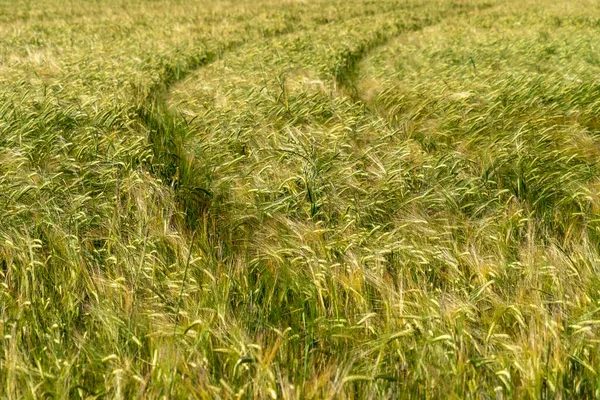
x: 299, y: 199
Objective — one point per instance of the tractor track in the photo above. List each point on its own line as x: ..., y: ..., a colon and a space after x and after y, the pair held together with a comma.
x: 165, y: 127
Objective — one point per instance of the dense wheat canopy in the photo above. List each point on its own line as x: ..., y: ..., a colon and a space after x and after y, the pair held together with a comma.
x: 299, y: 199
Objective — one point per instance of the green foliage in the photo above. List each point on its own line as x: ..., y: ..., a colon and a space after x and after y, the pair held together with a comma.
x: 318, y: 199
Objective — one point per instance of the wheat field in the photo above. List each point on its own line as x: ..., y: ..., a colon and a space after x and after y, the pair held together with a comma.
x: 299, y: 199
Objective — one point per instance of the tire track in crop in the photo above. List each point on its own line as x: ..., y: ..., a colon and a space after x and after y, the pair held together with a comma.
x: 166, y: 129
x: 347, y: 71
